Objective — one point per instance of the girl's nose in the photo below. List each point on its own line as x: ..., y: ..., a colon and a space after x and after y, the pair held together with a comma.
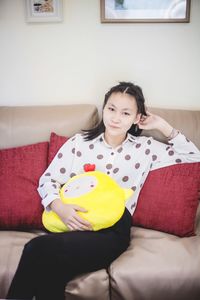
x: 116, y: 118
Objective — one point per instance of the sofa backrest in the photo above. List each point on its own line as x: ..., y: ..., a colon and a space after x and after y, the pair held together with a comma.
x: 25, y: 125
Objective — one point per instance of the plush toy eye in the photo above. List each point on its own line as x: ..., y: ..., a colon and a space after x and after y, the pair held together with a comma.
x: 66, y: 190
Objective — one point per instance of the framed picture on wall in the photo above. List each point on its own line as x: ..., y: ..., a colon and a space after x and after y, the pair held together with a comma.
x: 145, y: 11
x: 43, y: 10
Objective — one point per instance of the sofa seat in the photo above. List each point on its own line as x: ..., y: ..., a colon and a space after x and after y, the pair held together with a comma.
x: 157, y: 266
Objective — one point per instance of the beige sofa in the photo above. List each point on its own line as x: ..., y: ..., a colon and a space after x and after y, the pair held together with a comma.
x: 156, y: 266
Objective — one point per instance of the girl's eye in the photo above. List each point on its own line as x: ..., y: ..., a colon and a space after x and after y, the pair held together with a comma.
x: 126, y: 114
x: 111, y: 108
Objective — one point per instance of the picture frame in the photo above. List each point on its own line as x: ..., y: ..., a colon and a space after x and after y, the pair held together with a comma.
x: 145, y: 11
x: 43, y: 10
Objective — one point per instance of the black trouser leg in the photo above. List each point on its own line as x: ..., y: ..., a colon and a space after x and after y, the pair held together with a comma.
x: 48, y: 262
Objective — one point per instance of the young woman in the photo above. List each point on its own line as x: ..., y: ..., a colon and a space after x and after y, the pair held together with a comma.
x: 116, y: 148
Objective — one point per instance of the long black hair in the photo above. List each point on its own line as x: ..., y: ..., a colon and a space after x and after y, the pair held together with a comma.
x: 123, y: 87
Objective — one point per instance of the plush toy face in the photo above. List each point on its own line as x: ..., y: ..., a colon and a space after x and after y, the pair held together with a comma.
x: 80, y: 186
x: 98, y: 193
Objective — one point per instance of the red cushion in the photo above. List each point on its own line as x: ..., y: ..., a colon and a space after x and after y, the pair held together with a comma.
x: 20, y: 203
x: 56, y: 141
x: 168, y: 200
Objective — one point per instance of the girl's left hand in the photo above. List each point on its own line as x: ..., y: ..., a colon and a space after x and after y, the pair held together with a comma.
x: 152, y: 121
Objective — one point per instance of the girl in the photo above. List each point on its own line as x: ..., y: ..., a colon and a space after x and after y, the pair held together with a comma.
x: 116, y: 148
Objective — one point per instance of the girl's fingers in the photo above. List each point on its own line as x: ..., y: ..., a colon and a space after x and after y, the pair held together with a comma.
x: 79, y: 224
x: 82, y: 221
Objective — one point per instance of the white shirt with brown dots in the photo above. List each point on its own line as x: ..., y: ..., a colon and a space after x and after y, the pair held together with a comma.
x: 129, y: 163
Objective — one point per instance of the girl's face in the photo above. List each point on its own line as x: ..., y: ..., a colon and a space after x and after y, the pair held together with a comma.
x: 119, y: 114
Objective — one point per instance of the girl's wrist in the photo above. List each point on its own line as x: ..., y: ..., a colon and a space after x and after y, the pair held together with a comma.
x: 165, y: 128
x: 173, y: 134
x: 56, y: 205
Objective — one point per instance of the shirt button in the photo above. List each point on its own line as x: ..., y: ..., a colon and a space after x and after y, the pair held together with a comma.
x: 108, y: 172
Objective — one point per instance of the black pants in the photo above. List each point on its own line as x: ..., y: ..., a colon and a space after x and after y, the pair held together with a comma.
x: 49, y: 261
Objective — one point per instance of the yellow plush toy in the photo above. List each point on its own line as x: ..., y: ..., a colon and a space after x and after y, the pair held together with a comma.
x: 98, y: 193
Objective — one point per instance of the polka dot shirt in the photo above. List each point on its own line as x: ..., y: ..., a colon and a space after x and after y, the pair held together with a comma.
x: 129, y: 163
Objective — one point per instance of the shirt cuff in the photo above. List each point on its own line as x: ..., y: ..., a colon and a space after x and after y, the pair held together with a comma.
x: 46, y: 201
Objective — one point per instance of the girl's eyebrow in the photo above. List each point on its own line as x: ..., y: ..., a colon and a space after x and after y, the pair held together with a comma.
x: 124, y: 109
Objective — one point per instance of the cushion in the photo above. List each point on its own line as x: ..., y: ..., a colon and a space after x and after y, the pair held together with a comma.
x: 56, y: 141
x: 168, y: 200
x: 21, y: 168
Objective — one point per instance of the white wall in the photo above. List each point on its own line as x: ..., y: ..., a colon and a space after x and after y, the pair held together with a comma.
x: 76, y: 61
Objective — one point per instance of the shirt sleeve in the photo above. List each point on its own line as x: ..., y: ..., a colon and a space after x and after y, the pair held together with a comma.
x: 178, y: 150
x: 57, y: 173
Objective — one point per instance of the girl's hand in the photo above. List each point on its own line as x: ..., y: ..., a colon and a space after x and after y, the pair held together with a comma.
x: 69, y: 216
x: 152, y: 121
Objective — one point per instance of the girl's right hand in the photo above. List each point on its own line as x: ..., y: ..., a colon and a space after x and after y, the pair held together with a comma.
x: 68, y: 214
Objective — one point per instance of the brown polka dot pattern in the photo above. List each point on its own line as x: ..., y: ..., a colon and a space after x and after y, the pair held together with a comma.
x: 115, y: 170
x: 47, y: 174
x: 78, y: 153
x: 149, y: 142
x: 154, y: 157
x: 127, y: 157
x: 112, y: 153
x: 178, y: 160
x: 125, y: 178
x: 147, y: 151
x: 109, y: 166
x: 133, y: 188
x: 100, y: 156
x: 137, y: 146
x: 133, y: 205
x: 120, y: 150
x: 42, y: 185
x: 72, y: 175
x: 171, y: 152
x: 60, y: 155
x: 168, y: 147
x: 52, y: 180
x: 91, y: 146
x: 137, y: 165
x: 73, y: 150
x: 62, y: 170
x: 54, y: 185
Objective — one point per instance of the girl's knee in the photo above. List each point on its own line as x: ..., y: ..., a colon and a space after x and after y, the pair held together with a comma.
x: 34, y: 246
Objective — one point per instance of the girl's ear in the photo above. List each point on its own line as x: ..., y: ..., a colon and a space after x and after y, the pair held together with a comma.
x: 137, y: 119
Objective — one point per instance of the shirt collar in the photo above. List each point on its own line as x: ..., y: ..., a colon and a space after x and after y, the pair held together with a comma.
x: 100, y: 138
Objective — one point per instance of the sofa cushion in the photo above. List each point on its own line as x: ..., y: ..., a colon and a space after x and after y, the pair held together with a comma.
x: 56, y: 141
x: 168, y: 200
x: 21, y: 167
